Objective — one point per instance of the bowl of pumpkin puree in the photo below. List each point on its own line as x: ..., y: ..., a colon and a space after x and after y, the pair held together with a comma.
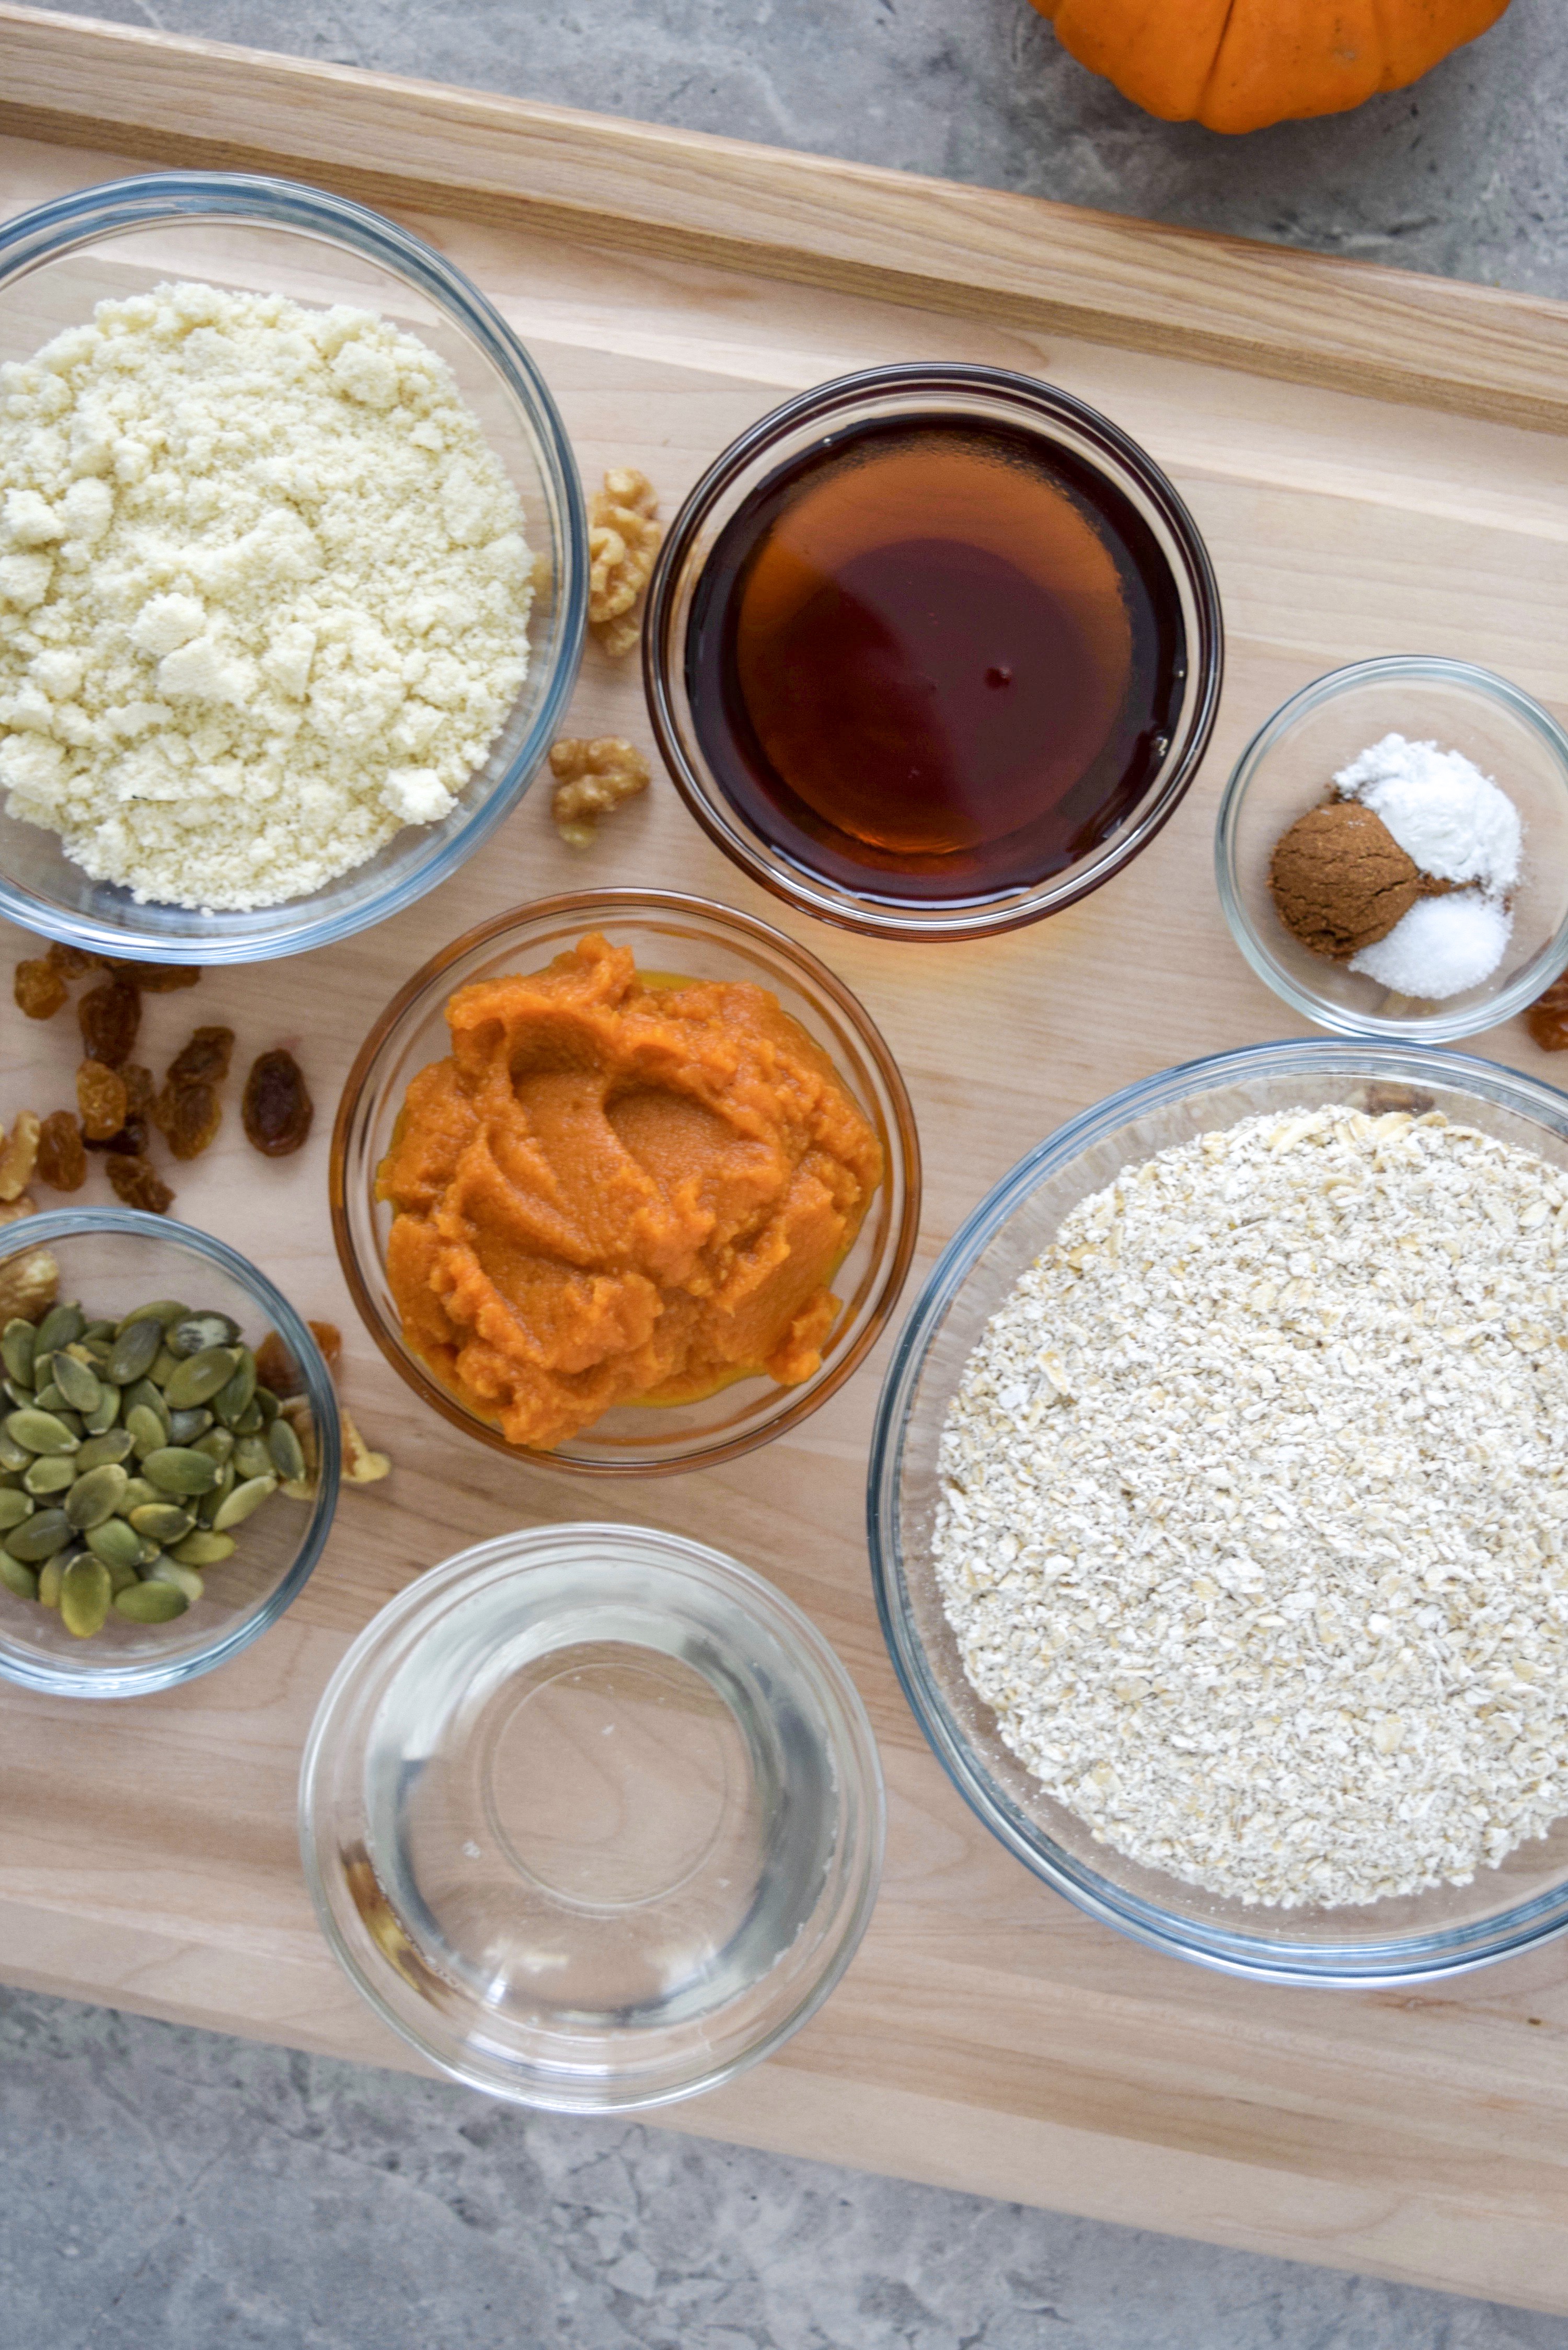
x: 627, y: 1178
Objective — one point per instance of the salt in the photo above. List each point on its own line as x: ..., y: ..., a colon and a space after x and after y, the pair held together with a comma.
x: 1440, y: 948
x: 1448, y: 817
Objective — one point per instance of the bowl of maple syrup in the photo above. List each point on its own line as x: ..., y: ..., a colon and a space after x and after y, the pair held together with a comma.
x: 933, y: 650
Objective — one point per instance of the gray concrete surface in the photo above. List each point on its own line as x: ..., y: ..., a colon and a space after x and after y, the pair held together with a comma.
x: 164, y: 2190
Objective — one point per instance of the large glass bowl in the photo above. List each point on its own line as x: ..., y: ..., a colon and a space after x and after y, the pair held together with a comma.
x: 592, y: 1816
x: 1068, y: 435
x: 257, y: 234
x: 695, y: 939
x: 110, y: 1260
x: 1441, y: 1933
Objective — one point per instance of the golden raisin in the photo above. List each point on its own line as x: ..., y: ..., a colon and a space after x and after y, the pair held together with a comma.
x: 187, y: 1117
x: 70, y: 962
x: 110, y: 1016
x: 1547, y: 1018
x: 38, y: 989
x: 137, y: 1185
x: 138, y: 1089
x: 330, y: 1338
x: 158, y: 978
x: 275, y: 1367
x: 277, y: 1108
x: 61, y: 1162
x: 591, y: 778
x: 130, y: 1141
x: 100, y: 1100
x: 204, y: 1061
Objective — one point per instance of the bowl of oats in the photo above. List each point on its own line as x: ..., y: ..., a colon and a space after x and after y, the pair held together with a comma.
x: 293, y: 568
x: 1218, y: 1512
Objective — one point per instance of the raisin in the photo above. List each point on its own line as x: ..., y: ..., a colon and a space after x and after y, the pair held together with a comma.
x: 157, y: 978
x: 330, y: 1338
x: 38, y: 989
x: 70, y: 962
x: 61, y: 1162
x: 277, y: 1108
x: 138, y: 1089
x: 128, y: 1142
x: 1547, y: 1018
x: 204, y: 1061
x: 187, y: 1117
x: 110, y: 1016
x: 100, y: 1100
x: 275, y: 1367
x: 139, y: 1185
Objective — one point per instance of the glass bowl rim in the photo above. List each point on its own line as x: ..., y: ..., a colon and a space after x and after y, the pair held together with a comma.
x: 51, y: 1224
x: 1118, y: 455
x: 856, y: 1754
x: 1397, y: 1959
x: 144, y: 201
x: 903, y: 1135
x: 1420, y: 669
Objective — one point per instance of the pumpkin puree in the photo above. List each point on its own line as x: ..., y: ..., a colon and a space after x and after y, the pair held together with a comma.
x: 617, y: 1190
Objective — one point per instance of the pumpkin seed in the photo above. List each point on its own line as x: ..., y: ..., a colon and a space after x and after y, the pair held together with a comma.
x: 86, y: 1592
x: 237, y: 1506
x: 20, y: 1393
x: 49, y: 1577
x: 95, y: 1496
x: 150, y: 1603
x: 14, y: 1506
x: 184, y: 1578
x: 185, y: 1427
x: 48, y: 1397
x: 146, y: 1432
x: 204, y: 1548
x: 164, y: 1311
x: 250, y: 1420
x: 60, y: 1326
x: 199, y: 1333
x: 13, y: 1456
x: 96, y: 1351
x: 175, y: 1469
x: 165, y: 1365
x: 119, y: 1544
x: 77, y: 1382
x: 137, y: 1493
x: 107, y: 1412
x: 252, y: 1458
x: 40, y: 1431
x: 233, y: 1399
x: 161, y: 1522
x: 39, y: 1536
x: 114, y: 1444
x: 287, y: 1453
x: 199, y: 1378
x: 267, y: 1404
x: 16, y: 1577
x: 217, y: 1443
x: 121, y: 1577
x: 50, y: 1473
x: 18, y: 1344
x: 71, y: 1422
x: 97, y: 1331
x: 134, y: 1351
x: 208, y: 1506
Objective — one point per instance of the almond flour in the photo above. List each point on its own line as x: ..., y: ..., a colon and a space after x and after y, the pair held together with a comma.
x: 1254, y: 1528
x: 263, y: 593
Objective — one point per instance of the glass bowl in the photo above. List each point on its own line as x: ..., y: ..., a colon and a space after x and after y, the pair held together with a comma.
x: 254, y: 233
x: 671, y: 933
x: 1069, y: 432
x: 110, y: 1260
x: 1409, y: 1940
x: 592, y: 1816
x: 1288, y: 767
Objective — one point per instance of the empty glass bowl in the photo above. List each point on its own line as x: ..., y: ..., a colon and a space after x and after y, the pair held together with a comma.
x: 256, y: 234
x: 592, y: 1816
x: 110, y: 1260
x: 1288, y: 767
x: 1441, y: 1933
x: 695, y: 939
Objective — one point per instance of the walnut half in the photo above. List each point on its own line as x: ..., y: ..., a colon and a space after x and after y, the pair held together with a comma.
x: 623, y: 540
x: 592, y: 778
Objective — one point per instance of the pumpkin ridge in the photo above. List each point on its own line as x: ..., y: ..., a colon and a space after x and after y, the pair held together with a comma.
x: 1200, y: 111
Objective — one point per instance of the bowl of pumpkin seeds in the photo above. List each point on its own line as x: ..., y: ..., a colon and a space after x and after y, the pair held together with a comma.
x: 159, y: 1504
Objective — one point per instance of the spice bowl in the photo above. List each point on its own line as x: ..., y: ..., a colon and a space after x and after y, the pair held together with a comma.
x: 111, y: 1261
x: 1444, y: 1930
x: 592, y: 1816
x: 248, y: 233
x: 671, y: 936
x: 1288, y: 768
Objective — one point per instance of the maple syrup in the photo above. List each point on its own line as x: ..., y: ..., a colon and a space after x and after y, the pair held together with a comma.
x: 935, y: 660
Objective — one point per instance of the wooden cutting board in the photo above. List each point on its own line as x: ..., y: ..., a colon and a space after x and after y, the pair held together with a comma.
x: 1379, y: 465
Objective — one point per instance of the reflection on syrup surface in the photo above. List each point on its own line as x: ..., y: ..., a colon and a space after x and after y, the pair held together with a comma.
x: 934, y: 659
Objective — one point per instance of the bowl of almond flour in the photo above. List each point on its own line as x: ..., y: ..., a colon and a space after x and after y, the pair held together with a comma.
x: 291, y: 568
x: 1218, y: 1512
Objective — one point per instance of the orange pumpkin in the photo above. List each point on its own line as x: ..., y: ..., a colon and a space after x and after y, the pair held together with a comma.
x: 1236, y: 65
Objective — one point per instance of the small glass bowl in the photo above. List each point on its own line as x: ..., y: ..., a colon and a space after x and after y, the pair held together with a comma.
x: 592, y: 1816
x: 696, y: 939
x: 1414, y: 1938
x: 252, y: 233
x: 111, y: 1259
x: 833, y: 411
x: 1289, y: 767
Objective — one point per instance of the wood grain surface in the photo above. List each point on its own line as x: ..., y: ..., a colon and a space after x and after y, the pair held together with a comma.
x: 987, y: 2036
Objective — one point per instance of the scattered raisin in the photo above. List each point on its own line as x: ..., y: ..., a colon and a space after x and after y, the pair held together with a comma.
x: 100, y: 1100
x: 204, y: 1061
x: 110, y: 1016
x: 330, y: 1338
x: 1547, y: 1018
x: 158, y: 978
x: 61, y: 1162
x: 277, y: 1108
x: 130, y: 1141
x: 139, y: 1185
x: 38, y: 989
x: 275, y: 1367
x: 187, y: 1117
x: 70, y: 962
x: 138, y: 1089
